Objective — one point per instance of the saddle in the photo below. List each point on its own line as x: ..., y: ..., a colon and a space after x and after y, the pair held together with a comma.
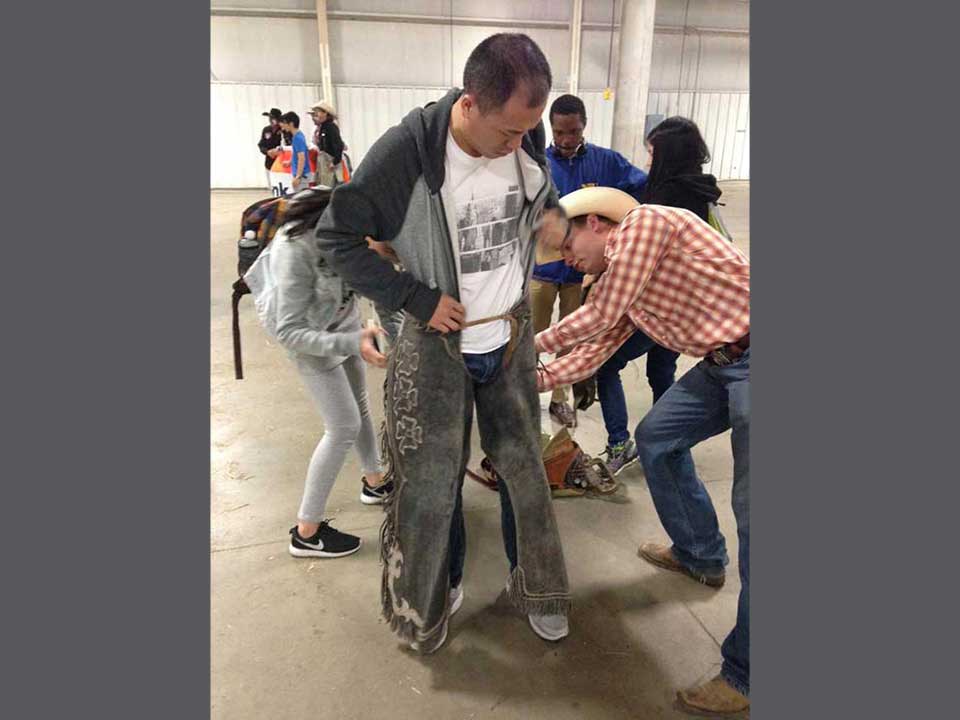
x: 570, y: 471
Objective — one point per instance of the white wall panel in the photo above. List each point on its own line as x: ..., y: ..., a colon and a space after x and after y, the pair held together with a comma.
x: 734, y: 14
x: 235, y: 125
x: 555, y: 45
x: 719, y: 14
x: 596, y: 58
x: 402, y: 7
x: 366, y: 112
x: 284, y: 50
x: 376, y: 53
x: 251, y: 49
x: 268, y: 4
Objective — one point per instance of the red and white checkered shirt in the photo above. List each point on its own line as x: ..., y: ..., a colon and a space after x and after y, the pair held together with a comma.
x: 669, y: 274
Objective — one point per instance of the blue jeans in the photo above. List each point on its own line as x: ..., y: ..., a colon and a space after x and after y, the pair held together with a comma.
x: 482, y: 369
x: 705, y: 402
x: 661, y: 369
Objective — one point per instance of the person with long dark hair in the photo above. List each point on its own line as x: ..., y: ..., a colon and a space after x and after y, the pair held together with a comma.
x: 318, y: 323
x: 677, y: 154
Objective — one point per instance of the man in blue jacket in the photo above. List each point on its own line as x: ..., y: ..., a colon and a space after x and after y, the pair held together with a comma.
x: 574, y: 164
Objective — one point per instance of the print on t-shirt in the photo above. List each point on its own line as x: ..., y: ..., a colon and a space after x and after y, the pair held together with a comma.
x: 488, y: 231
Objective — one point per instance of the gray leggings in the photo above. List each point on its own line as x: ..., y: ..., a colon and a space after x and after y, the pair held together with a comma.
x: 341, y: 396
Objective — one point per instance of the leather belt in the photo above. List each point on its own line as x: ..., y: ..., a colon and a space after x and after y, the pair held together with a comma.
x: 729, y: 353
x: 514, y: 331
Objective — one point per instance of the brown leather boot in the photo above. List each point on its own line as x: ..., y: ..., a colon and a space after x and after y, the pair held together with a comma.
x: 662, y: 557
x: 716, y: 698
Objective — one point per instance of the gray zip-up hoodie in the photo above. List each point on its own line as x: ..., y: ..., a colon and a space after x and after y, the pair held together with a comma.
x: 318, y: 318
x: 395, y: 197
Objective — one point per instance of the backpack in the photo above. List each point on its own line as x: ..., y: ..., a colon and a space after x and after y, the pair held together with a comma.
x: 258, y: 224
x: 716, y: 221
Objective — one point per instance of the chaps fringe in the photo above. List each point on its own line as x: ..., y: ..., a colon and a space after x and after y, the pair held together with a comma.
x: 556, y: 604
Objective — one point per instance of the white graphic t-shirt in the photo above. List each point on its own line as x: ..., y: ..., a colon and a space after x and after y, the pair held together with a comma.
x: 484, y: 222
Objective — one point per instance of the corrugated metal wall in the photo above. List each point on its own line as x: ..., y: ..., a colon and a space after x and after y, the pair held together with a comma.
x: 367, y: 112
x: 235, y: 125
x: 724, y: 121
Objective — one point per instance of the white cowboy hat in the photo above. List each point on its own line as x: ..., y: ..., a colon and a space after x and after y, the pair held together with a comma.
x: 325, y: 106
x: 607, y: 202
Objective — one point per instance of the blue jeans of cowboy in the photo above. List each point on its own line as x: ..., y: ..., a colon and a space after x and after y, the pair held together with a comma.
x: 707, y: 401
x: 482, y: 369
x: 661, y: 369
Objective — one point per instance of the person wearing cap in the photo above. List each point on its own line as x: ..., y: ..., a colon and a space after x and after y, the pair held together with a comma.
x: 326, y: 136
x: 574, y: 163
x: 670, y: 274
x: 270, y: 139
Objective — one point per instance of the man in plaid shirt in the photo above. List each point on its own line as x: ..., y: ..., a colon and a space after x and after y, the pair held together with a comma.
x: 665, y: 271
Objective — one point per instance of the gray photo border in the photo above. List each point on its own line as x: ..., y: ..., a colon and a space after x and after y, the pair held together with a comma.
x: 850, y: 421
x: 107, y: 362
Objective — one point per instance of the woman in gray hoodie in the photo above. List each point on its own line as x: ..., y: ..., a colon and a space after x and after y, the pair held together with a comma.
x: 318, y: 322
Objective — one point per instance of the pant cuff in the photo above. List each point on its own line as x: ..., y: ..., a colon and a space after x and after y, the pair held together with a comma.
x: 709, y: 567
x: 616, y: 440
x: 727, y: 674
x: 547, y: 604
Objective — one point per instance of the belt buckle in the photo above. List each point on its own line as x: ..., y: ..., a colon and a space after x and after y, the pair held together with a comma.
x: 720, y: 358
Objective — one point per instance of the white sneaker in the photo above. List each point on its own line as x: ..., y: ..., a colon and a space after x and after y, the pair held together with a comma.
x: 456, y: 598
x: 550, y: 627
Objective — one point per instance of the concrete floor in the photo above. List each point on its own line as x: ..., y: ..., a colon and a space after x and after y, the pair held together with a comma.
x: 294, y: 637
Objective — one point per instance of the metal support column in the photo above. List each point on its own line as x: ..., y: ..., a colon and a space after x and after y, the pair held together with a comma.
x: 324, y: 40
x: 576, y: 30
x: 633, y: 79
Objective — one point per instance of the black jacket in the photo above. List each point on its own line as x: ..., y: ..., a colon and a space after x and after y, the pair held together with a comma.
x: 328, y: 140
x: 692, y: 192
x: 269, y: 139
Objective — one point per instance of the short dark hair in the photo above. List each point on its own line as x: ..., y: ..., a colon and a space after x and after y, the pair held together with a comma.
x: 568, y: 105
x: 499, y: 64
x: 292, y: 118
x: 581, y: 220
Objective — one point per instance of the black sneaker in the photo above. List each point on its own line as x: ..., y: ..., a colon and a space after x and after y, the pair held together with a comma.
x: 375, y: 495
x: 326, y: 542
